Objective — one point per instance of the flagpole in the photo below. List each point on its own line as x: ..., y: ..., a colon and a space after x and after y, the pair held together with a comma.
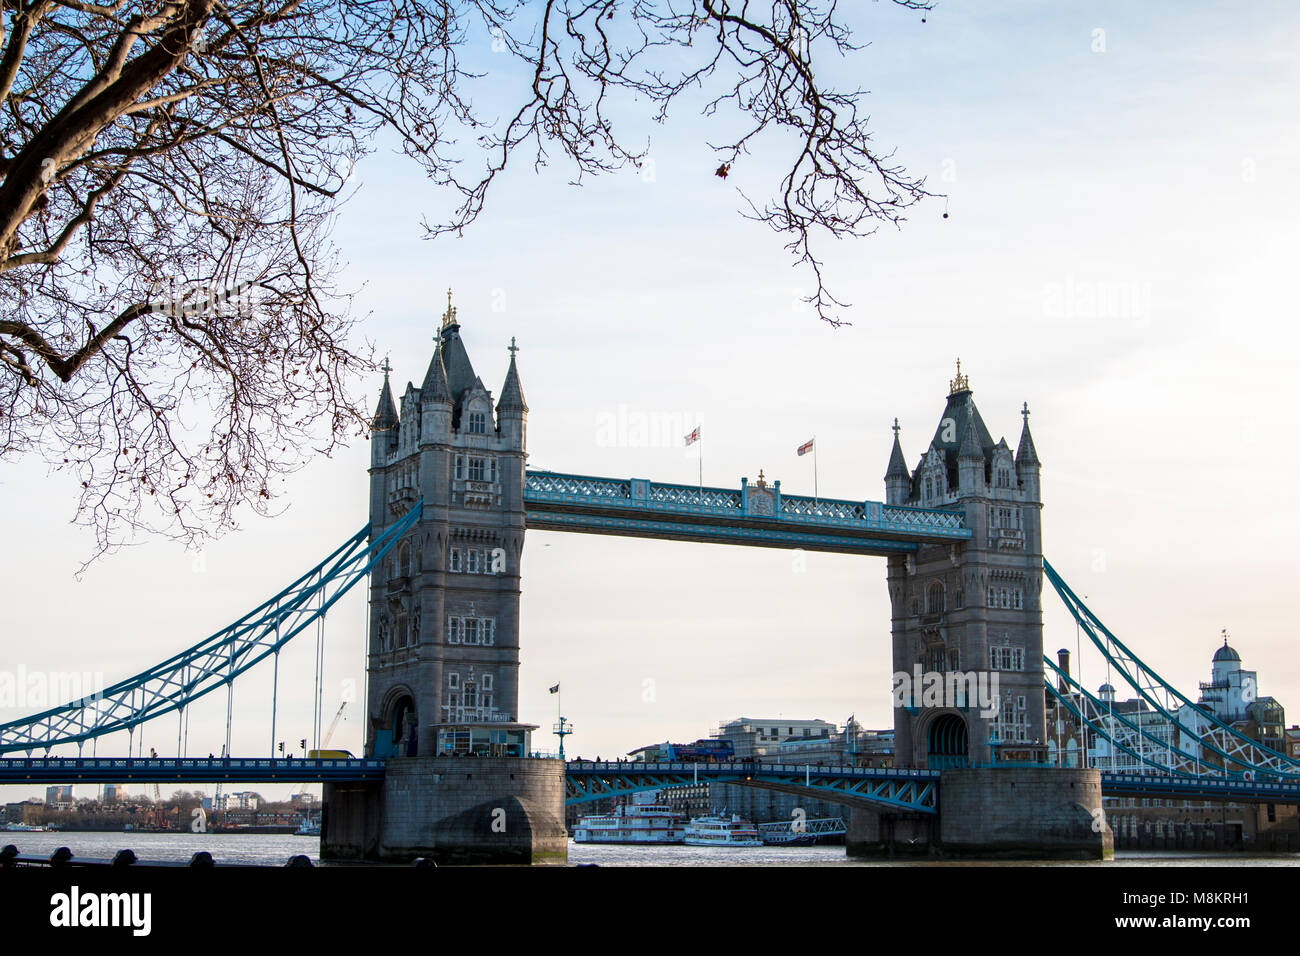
x: 701, y: 462
x: 814, y: 467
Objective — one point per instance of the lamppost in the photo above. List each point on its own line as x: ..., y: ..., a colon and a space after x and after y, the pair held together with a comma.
x: 562, y: 730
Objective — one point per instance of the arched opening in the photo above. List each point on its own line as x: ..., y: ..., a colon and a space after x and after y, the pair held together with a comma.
x: 398, y: 735
x: 405, y: 728
x: 948, y: 743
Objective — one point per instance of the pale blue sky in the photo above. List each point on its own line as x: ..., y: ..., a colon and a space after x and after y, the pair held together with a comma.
x: 1161, y: 172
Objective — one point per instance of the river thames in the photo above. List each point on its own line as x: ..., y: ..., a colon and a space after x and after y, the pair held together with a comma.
x: 276, y: 849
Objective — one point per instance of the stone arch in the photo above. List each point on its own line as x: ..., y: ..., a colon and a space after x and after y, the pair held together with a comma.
x: 399, y: 724
x: 947, y: 740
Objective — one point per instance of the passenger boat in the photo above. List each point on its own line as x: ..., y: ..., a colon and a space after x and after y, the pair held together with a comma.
x: 722, y: 831
x: 644, y: 820
x: 24, y: 828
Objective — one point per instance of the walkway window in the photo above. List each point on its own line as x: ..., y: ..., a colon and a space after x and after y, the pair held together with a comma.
x: 934, y: 598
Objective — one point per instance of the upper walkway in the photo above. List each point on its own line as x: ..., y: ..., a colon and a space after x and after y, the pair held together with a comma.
x: 757, y: 515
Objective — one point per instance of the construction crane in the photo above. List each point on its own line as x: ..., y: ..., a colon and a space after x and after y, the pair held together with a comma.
x: 329, y: 735
x: 334, y: 724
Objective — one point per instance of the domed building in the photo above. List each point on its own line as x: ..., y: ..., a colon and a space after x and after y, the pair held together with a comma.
x: 1231, y: 688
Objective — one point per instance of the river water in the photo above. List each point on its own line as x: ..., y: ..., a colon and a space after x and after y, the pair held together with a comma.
x: 275, y: 849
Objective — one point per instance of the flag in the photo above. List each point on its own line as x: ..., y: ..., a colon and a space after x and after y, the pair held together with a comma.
x: 694, y: 436
x: 805, y: 447
x: 555, y: 689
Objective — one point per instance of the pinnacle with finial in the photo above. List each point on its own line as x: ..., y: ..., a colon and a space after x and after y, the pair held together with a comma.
x: 513, y: 348
x: 959, y: 384
x: 449, y: 317
x: 895, y: 427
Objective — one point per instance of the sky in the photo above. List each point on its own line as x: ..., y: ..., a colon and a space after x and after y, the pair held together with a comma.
x: 1119, y: 253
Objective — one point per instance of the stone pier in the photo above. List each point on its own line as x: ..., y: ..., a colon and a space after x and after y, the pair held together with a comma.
x: 452, y: 810
x: 1019, y: 813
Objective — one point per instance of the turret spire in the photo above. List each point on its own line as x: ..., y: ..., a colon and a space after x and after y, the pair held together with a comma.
x: 970, y: 440
x: 1026, y: 454
x: 897, y: 463
x: 512, y: 394
x: 386, y: 412
x: 435, y: 388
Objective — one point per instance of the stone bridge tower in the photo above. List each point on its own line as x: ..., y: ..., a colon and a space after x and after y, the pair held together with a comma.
x: 972, y: 609
x: 443, y: 663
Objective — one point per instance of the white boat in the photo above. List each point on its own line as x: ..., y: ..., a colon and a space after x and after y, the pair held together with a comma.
x: 644, y: 820
x: 24, y: 828
x: 722, y: 831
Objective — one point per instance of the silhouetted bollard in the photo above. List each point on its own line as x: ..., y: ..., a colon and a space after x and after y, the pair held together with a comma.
x: 202, y: 859
x: 60, y: 857
x: 424, y: 863
x: 299, y: 860
x: 8, y: 854
x: 124, y: 858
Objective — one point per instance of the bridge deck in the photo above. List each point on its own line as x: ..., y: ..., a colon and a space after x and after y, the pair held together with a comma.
x: 51, y: 770
x: 759, y: 517
x: 915, y: 790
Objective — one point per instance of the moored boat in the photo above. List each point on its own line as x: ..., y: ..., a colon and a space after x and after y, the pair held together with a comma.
x: 644, y: 820
x: 721, y: 830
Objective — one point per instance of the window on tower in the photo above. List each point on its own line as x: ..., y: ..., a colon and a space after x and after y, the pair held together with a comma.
x: 476, y: 469
x: 477, y: 423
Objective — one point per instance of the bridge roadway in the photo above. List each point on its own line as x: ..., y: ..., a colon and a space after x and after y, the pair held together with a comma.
x: 914, y: 791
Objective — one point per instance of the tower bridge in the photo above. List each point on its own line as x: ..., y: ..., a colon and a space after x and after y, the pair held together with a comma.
x: 450, y: 501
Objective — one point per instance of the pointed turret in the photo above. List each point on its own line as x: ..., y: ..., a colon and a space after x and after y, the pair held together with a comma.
x: 970, y: 457
x: 1026, y: 453
x: 435, y: 388
x: 1028, y: 467
x: 512, y: 410
x: 970, y: 441
x: 898, y: 481
x: 386, y: 413
x: 512, y: 395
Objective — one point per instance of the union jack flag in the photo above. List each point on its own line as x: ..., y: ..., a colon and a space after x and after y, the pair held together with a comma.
x: 805, y: 447
x: 694, y: 436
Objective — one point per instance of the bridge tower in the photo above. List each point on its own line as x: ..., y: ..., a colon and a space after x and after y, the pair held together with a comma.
x: 972, y: 608
x: 443, y: 658
x: 443, y: 665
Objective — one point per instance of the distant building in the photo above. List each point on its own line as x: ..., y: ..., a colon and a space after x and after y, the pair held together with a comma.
x: 762, y: 737
x: 246, y: 800
x: 115, y: 793
x: 303, y: 799
x: 60, y: 797
x: 1293, y: 741
x: 31, y: 810
x: 809, y: 743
